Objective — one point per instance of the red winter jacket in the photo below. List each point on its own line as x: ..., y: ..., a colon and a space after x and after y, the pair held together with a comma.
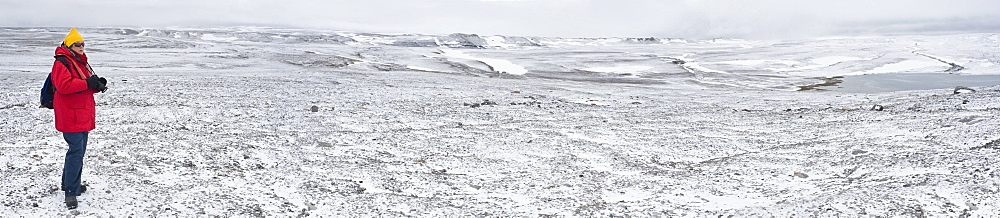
x: 73, y: 101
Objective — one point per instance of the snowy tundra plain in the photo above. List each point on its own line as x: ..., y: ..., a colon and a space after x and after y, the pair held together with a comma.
x: 267, y: 122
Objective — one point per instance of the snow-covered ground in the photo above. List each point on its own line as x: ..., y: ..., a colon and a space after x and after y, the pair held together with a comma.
x: 217, y: 122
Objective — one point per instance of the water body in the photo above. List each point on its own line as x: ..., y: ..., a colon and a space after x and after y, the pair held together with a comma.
x: 911, y: 81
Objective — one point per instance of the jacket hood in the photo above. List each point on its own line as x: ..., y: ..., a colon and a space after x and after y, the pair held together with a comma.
x: 63, y: 50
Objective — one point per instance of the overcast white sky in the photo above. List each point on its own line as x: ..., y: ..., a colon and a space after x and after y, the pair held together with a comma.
x: 567, y: 18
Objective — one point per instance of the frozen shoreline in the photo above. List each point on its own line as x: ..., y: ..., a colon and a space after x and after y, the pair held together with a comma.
x: 192, y: 128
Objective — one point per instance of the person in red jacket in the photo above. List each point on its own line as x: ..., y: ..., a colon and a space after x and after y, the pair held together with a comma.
x: 73, y: 103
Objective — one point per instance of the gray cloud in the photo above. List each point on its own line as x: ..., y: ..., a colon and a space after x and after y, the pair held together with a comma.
x: 570, y: 18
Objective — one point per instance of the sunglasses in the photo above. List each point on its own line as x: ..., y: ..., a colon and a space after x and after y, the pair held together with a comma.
x: 78, y: 44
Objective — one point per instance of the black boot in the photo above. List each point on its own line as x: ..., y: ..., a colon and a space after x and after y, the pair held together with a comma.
x: 71, y: 202
x: 83, y: 188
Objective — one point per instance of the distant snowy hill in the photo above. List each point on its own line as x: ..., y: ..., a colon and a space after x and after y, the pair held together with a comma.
x: 456, y: 40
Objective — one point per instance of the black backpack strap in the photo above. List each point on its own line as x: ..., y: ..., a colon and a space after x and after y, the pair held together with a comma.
x: 62, y: 58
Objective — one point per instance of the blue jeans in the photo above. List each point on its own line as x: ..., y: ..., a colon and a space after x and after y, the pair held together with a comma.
x: 74, y: 162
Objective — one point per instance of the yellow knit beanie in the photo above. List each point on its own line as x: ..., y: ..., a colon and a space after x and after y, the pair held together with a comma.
x: 73, y: 37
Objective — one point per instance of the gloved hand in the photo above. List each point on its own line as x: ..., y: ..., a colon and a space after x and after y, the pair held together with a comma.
x: 94, y: 82
x: 104, y: 83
